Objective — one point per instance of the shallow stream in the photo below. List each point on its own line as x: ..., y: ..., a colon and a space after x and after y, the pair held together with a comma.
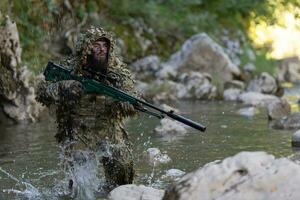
x: 29, y: 156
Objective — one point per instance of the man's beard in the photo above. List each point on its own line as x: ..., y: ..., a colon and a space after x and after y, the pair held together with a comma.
x: 96, y: 65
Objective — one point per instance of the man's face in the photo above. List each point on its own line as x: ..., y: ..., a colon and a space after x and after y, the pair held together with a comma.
x: 100, y: 50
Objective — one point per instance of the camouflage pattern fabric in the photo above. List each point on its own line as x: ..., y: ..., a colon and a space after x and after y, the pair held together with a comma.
x: 91, y: 121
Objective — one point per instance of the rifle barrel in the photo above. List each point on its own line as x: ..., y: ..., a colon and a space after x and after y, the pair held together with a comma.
x: 54, y: 72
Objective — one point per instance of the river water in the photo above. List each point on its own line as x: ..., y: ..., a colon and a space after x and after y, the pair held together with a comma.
x: 29, y: 155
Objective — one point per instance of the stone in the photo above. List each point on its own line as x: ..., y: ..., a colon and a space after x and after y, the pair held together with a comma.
x: 16, y: 82
x: 154, y: 156
x: 296, y: 139
x: 289, y: 122
x: 194, y: 85
x: 146, y: 67
x: 256, y: 98
x: 265, y: 84
x: 232, y: 94
x: 289, y: 70
x: 278, y: 109
x: 248, y: 112
x: 135, y: 192
x: 170, y: 127
x: 234, y: 84
x: 247, y: 176
x: 174, y: 174
x: 200, y: 53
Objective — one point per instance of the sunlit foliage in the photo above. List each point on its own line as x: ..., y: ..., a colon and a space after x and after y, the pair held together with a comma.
x: 282, y: 34
x: 166, y: 23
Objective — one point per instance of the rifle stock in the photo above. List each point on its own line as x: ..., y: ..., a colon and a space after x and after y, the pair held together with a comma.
x: 54, y: 72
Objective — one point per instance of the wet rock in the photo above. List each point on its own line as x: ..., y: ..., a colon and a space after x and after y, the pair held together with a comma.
x: 174, y: 174
x: 154, y: 156
x: 296, y: 139
x: 257, y: 99
x: 234, y: 84
x: 232, y: 94
x: 200, y: 53
x: 170, y: 127
x: 291, y: 121
x: 265, y: 84
x: 195, y: 85
x: 247, y: 175
x: 16, y: 82
x: 170, y: 108
x: 289, y: 70
x: 135, y: 192
x: 146, y: 67
x: 248, y: 112
x: 278, y: 109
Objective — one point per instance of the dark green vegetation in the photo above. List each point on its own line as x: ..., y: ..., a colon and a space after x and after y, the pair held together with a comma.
x: 165, y: 24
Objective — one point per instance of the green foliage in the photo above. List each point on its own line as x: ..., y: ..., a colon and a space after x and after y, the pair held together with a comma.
x: 168, y: 22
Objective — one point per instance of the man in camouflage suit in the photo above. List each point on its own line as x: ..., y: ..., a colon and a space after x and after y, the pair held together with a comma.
x: 93, y: 122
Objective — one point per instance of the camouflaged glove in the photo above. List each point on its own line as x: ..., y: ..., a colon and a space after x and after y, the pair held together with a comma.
x: 51, y: 93
x: 70, y: 91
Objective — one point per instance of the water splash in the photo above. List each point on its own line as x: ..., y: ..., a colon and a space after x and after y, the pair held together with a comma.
x: 29, y: 192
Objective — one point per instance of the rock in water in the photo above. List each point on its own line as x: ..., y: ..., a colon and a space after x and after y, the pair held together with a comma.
x: 296, y: 139
x: 247, y: 176
x: 16, y: 85
x: 135, y: 192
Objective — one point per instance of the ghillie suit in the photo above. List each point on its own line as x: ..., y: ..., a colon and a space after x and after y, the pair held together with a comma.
x: 93, y: 122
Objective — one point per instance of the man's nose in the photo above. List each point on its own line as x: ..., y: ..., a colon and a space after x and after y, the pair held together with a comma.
x: 102, y: 48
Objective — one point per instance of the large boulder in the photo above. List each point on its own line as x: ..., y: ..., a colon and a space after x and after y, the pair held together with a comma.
x: 17, y: 96
x: 247, y: 175
x: 200, y: 53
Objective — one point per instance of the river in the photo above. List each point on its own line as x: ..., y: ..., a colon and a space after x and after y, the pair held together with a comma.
x: 29, y: 155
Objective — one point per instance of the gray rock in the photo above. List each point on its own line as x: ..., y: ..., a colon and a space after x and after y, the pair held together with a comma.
x: 289, y: 70
x: 248, y: 112
x: 154, y: 156
x: 200, y: 53
x: 16, y: 82
x: 278, y: 109
x: 195, y: 85
x: 174, y: 174
x: 265, y: 83
x: 247, y: 176
x: 170, y: 127
x: 289, y: 122
x: 146, y: 67
x: 296, y: 139
x: 257, y: 99
x: 232, y: 94
x: 135, y: 192
x: 234, y: 84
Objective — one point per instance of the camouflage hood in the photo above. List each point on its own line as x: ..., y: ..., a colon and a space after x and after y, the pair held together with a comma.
x: 84, y: 47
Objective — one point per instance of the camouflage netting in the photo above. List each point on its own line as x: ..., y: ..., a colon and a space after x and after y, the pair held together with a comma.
x: 17, y: 97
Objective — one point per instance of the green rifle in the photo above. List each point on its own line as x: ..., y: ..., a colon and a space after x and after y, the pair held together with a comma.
x: 54, y: 72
